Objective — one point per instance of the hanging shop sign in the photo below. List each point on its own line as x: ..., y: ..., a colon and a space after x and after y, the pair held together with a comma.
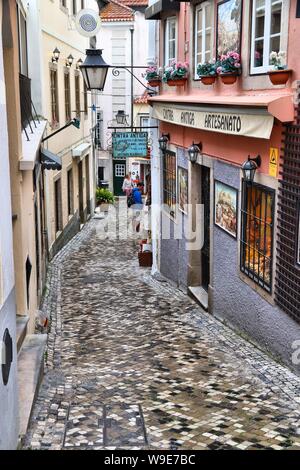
x: 130, y: 144
x: 273, y: 165
x: 224, y: 121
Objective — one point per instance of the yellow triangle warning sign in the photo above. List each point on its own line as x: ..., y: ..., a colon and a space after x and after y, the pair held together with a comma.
x: 274, y: 157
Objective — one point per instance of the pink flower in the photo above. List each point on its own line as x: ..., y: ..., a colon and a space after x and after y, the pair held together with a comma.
x: 237, y: 65
x: 219, y: 69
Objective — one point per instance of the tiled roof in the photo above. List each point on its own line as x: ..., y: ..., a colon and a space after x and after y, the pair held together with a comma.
x: 135, y: 3
x: 142, y: 99
x: 117, y: 11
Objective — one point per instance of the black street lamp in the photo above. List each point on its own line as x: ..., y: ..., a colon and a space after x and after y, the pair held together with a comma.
x: 121, y: 118
x: 163, y: 142
x: 94, y: 70
x: 56, y: 55
x: 194, y: 151
x: 249, y: 168
x: 69, y: 61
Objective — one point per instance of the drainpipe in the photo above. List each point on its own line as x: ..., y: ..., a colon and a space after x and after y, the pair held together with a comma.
x: 131, y: 46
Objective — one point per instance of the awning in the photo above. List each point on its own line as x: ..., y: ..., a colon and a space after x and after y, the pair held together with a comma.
x: 251, y: 116
x: 81, y: 150
x: 50, y: 161
x: 154, y: 11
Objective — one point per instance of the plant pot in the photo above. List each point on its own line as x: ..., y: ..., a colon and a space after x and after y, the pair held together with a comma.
x: 154, y: 82
x: 104, y: 206
x: 279, y: 77
x: 228, y: 78
x: 146, y: 259
x: 208, y: 79
x: 177, y: 82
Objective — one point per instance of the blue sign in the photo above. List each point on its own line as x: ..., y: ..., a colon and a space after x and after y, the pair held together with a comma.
x: 130, y: 144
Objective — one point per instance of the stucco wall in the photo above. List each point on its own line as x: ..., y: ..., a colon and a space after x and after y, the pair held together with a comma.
x: 174, y: 256
x: 9, y: 422
x: 9, y: 393
x: 237, y: 302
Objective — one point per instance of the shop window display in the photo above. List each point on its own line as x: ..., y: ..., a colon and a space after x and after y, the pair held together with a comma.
x: 257, y: 234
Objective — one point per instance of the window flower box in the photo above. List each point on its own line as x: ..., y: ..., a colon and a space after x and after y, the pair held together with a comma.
x: 176, y: 74
x: 280, y: 74
x: 207, y: 72
x: 280, y: 77
x: 229, y: 67
x: 152, y: 76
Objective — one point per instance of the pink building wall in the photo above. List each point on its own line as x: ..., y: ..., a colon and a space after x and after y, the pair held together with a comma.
x: 234, y: 149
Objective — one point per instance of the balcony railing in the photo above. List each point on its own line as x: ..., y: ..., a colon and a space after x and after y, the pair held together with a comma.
x: 28, y: 112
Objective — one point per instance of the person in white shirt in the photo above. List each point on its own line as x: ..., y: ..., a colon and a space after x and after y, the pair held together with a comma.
x: 127, y: 185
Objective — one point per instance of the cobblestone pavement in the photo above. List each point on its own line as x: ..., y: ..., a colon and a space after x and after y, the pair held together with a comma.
x: 133, y: 363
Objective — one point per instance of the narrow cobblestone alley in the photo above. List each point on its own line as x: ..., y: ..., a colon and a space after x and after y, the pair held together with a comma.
x: 133, y: 363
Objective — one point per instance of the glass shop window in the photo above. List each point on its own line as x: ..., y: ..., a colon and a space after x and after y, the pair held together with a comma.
x: 169, y: 181
x: 257, y: 234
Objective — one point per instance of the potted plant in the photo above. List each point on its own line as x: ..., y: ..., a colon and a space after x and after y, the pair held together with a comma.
x: 152, y: 76
x: 207, y: 72
x: 104, y: 198
x: 280, y: 74
x: 229, y: 67
x: 176, y: 74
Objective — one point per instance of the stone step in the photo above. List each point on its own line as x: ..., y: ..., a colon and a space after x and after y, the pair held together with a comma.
x: 200, y: 295
x: 22, y: 323
x: 30, y: 373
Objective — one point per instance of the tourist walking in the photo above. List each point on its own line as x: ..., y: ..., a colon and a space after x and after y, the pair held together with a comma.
x: 127, y: 185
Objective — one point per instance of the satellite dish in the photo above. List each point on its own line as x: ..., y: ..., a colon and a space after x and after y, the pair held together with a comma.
x: 88, y: 23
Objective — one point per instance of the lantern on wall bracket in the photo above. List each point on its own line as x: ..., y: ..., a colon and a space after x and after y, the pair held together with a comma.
x: 249, y: 168
x: 94, y: 70
x: 194, y: 151
x: 121, y: 118
x: 79, y: 63
x: 56, y: 55
x: 163, y: 142
x: 69, y: 61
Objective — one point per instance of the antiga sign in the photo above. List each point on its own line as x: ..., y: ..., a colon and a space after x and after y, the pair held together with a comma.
x: 249, y: 125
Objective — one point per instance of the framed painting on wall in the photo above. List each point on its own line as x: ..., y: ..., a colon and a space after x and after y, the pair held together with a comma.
x: 229, y: 25
x: 226, y: 208
x: 183, y: 194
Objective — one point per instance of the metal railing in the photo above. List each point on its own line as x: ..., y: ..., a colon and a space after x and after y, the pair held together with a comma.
x: 28, y: 112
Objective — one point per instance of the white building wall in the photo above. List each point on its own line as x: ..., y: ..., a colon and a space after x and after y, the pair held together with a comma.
x: 9, y: 393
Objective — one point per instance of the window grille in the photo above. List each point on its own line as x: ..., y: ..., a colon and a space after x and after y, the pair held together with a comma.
x: 257, y: 234
x: 169, y: 181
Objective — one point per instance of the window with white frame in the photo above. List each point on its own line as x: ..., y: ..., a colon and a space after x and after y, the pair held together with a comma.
x: 170, y: 40
x: 269, y: 32
x: 203, y: 33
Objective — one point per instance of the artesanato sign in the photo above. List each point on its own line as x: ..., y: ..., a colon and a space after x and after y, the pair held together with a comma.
x: 130, y: 144
x: 250, y: 125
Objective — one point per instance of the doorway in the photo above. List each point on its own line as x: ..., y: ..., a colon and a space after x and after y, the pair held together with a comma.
x: 205, y: 252
x: 119, y: 169
x: 80, y: 191
x: 199, y: 259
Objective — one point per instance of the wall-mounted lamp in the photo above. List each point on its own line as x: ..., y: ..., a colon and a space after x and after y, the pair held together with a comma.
x: 249, y: 168
x: 94, y: 70
x: 69, y: 61
x: 56, y: 55
x: 79, y: 63
x: 194, y: 151
x: 163, y: 142
x: 121, y: 118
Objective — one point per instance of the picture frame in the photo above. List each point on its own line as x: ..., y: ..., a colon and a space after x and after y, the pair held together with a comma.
x: 226, y: 208
x: 229, y: 27
x: 183, y: 189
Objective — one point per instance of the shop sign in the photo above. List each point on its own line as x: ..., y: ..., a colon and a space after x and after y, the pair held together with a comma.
x: 250, y: 125
x: 130, y: 144
x: 273, y: 165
